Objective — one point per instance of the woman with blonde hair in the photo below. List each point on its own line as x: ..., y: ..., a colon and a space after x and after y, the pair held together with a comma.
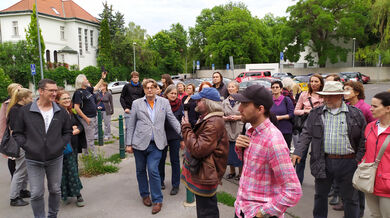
x: 3, y: 120
x: 18, y: 191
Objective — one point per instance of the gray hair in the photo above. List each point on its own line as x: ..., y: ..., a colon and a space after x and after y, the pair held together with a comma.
x: 288, y: 83
x: 213, y: 106
x: 79, y: 81
x: 169, y: 89
x: 235, y: 83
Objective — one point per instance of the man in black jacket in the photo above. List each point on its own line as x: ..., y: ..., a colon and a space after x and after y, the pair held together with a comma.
x: 336, y: 134
x: 43, y: 130
x: 131, y: 92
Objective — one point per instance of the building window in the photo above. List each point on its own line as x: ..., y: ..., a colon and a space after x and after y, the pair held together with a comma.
x: 91, y: 37
x: 63, y: 58
x: 48, y: 55
x: 80, y: 43
x: 15, y: 28
x: 55, y: 57
x: 62, y: 32
x: 86, y: 39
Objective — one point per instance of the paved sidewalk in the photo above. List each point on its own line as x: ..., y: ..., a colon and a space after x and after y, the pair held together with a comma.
x: 116, y: 195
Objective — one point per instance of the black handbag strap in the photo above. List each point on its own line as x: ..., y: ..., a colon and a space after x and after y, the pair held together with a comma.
x: 311, y: 103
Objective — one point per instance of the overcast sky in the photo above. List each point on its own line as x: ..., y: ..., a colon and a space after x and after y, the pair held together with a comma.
x: 156, y: 15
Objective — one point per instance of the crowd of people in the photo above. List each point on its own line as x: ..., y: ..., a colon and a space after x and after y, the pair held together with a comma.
x: 254, y: 130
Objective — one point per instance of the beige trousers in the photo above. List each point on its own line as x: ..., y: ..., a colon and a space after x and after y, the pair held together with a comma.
x: 378, y: 206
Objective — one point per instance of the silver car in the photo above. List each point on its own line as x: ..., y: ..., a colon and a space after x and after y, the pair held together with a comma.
x: 116, y: 87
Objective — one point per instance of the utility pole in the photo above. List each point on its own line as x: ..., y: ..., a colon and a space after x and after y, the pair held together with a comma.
x: 134, y: 54
x: 39, y: 40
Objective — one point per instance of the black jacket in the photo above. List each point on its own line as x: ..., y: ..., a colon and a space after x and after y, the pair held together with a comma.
x: 78, y: 141
x: 30, y: 132
x: 193, y: 116
x: 313, y: 132
x: 222, y: 89
x: 129, y: 94
x: 13, y: 115
x: 169, y: 130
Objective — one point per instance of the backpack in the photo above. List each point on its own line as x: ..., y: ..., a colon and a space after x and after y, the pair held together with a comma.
x: 289, y: 94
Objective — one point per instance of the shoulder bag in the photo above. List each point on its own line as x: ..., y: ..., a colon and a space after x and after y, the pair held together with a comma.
x: 299, y: 121
x: 9, y: 146
x: 364, y: 176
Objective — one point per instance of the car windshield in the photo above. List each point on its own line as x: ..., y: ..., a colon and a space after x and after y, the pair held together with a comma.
x: 350, y: 75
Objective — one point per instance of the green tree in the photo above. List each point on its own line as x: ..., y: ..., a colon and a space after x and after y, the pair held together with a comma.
x: 4, y: 82
x: 104, y: 57
x: 135, y: 33
x: 32, y: 40
x: 322, y: 25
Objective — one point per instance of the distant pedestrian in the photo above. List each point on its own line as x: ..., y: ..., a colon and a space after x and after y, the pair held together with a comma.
x: 181, y: 90
x: 219, y: 85
x: 42, y: 130
x: 174, y: 141
x: 70, y: 182
x: 204, y: 84
x: 268, y: 184
x: 106, y: 105
x: 3, y: 121
x: 189, y: 104
x: 233, y: 126
x: 206, y: 153
x: 376, y: 133
x: 146, y: 137
x: 335, y: 132
x: 84, y: 103
x: 18, y: 191
x: 166, y: 81
x: 283, y: 108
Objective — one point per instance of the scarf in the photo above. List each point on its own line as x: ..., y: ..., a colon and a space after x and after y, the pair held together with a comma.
x: 278, y: 100
x: 175, y: 105
x: 134, y: 84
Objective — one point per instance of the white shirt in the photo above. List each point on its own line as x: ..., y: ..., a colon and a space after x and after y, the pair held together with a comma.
x: 47, y: 117
x: 380, y: 129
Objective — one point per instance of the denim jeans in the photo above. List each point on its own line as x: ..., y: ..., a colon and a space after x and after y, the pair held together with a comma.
x: 19, y: 180
x: 150, y: 158
x: 342, y: 171
x: 174, y: 148
x: 36, y: 174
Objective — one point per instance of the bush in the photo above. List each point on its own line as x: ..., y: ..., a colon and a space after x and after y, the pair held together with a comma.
x: 93, y: 74
x: 93, y: 166
x: 4, y: 82
x: 226, y: 198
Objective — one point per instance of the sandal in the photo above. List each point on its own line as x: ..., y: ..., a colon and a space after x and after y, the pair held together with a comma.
x: 231, y: 175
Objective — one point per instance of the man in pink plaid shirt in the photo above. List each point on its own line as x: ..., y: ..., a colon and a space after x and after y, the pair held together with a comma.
x: 269, y: 184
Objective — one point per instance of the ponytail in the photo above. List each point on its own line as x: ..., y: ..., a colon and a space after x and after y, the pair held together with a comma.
x: 16, y: 96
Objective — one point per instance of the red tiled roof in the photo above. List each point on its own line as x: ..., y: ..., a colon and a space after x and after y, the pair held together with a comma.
x: 65, y: 9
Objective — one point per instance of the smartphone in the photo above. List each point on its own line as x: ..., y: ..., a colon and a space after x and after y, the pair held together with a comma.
x: 103, y: 69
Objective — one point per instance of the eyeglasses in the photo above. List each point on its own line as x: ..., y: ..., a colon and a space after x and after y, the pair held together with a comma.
x: 51, y: 90
x: 67, y: 98
x: 275, y: 87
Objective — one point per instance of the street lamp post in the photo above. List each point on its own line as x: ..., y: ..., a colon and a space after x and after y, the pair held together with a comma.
x: 134, y: 54
x: 39, y: 40
x: 353, y: 55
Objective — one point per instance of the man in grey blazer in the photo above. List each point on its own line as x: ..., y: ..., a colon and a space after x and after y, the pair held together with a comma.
x: 146, y: 138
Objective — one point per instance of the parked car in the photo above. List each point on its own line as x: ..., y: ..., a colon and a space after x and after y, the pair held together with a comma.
x: 244, y: 76
x: 303, y: 82
x: 116, y: 87
x: 365, y: 79
x: 282, y: 75
x: 353, y: 76
x: 264, y: 82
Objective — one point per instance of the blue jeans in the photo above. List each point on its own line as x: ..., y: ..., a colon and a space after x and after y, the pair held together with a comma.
x: 174, y: 148
x: 340, y: 170
x: 36, y: 171
x: 150, y: 158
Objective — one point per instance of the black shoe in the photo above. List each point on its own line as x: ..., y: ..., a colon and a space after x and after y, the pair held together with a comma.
x: 335, y: 200
x: 25, y: 194
x: 18, y: 202
x: 162, y: 186
x: 174, y: 191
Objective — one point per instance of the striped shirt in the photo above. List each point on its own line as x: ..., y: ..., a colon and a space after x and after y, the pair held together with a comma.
x: 336, y: 139
x: 268, y: 181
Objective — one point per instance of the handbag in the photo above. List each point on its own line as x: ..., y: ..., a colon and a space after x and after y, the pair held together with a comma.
x: 68, y: 149
x: 299, y: 121
x: 9, y: 146
x: 364, y: 177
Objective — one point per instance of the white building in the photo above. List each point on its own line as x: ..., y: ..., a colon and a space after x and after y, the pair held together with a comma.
x: 70, y: 33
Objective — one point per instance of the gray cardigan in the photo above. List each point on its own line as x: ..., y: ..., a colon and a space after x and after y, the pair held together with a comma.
x: 141, y: 127
x: 233, y: 128
x: 107, y: 101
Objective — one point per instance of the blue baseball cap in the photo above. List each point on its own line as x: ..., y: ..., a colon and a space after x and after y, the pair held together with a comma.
x: 209, y: 93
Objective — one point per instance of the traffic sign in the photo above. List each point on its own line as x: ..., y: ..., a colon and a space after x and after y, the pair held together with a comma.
x: 227, y: 67
x: 33, y: 70
x: 281, y: 56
